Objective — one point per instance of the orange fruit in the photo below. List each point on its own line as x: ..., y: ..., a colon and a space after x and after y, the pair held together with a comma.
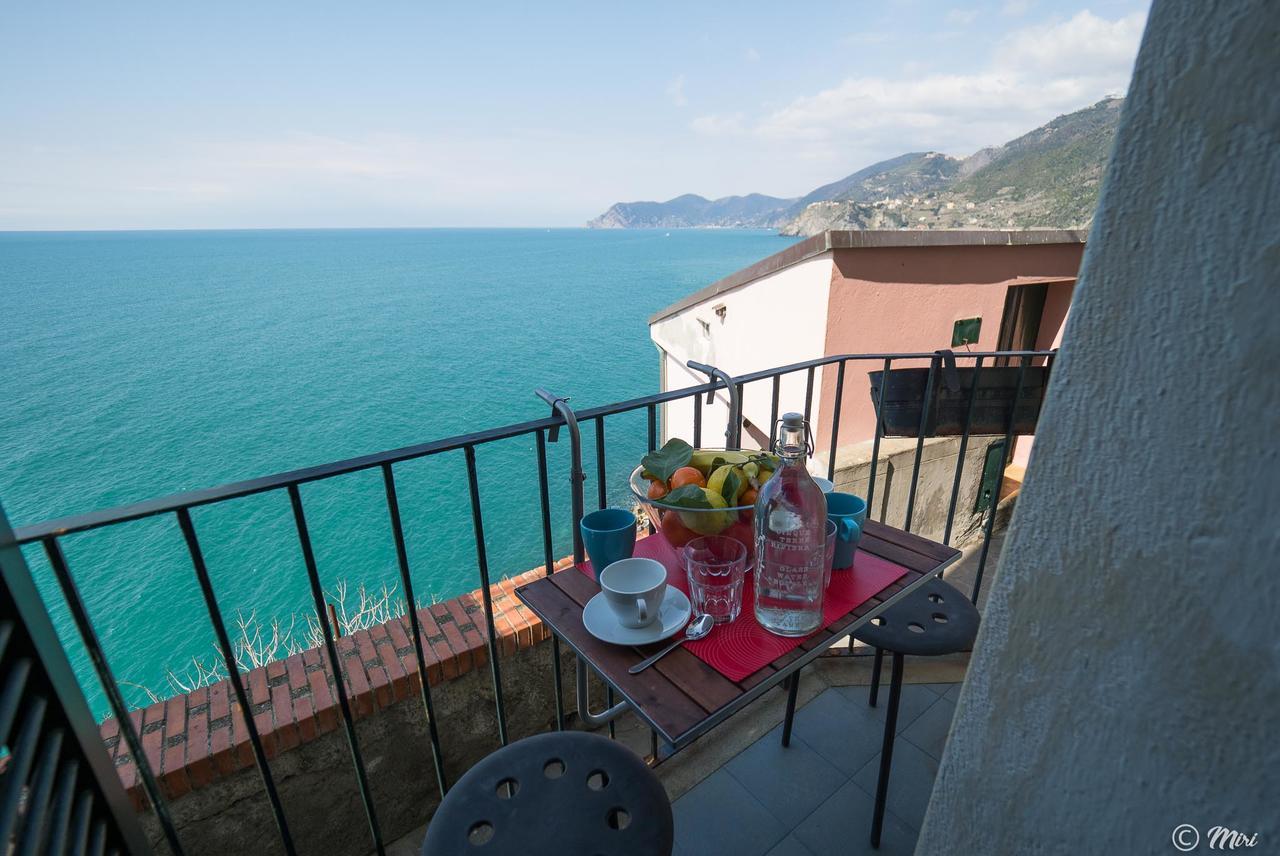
x: 748, y: 496
x: 687, y: 475
x: 657, y: 490
x: 674, y: 530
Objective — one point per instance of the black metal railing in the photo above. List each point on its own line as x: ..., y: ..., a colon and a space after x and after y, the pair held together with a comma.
x: 48, y: 535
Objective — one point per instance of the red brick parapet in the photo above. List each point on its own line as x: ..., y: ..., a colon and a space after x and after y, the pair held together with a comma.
x: 192, y: 740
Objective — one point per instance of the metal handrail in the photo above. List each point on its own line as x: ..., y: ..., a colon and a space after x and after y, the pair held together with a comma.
x: 577, y: 478
x: 48, y: 533
x: 561, y: 410
x: 733, y: 430
x: 234, y: 490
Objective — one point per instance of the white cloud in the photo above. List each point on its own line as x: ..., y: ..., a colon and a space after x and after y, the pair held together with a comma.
x: 718, y: 125
x: 1082, y: 45
x: 752, y: 55
x: 962, y: 17
x: 1030, y: 76
x: 675, y: 91
x: 1015, y: 8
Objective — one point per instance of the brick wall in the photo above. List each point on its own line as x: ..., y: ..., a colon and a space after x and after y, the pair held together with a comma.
x: 192, y: 741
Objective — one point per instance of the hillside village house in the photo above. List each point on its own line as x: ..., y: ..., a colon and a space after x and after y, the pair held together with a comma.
x: 866, y: 293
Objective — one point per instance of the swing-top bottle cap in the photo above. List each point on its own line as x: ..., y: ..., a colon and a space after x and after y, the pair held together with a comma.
x: 794, y: 421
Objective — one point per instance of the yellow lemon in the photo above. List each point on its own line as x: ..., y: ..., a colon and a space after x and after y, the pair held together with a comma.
x: 716, y: 483
x: 709, y: 522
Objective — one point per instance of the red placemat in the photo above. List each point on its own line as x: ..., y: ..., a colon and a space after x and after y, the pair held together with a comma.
x: 743, y: 647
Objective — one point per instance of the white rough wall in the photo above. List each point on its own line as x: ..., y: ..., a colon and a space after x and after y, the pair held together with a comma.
x: 1127, y: 675
x: 776, y: 320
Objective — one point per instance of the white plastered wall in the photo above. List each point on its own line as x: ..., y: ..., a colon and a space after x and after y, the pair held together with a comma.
x: 778, y: 319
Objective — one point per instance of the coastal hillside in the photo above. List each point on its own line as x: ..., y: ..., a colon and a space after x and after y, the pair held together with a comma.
x: 917, y: 172
x: 1048, y: 178
x: 752, y: 211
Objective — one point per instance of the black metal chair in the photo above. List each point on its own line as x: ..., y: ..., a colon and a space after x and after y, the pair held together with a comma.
x: 554, y: 794
x: 935, y: 620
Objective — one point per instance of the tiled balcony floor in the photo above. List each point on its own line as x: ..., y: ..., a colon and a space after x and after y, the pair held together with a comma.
x: 815, y: 798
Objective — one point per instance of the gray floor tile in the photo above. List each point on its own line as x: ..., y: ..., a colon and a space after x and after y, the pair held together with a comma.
x: 929, y: 731
x: 939, y: 689
x: 916, y: 699
x: 720, y: 816
x: 910, y: 781
x: 843, y: 733
x: 790, y: 846
x: 842, y: 827
x: 792, y: 782
x: 953, y: 694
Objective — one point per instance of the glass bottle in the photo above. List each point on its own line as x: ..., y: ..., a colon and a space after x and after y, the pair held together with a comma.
x: 791, y: 517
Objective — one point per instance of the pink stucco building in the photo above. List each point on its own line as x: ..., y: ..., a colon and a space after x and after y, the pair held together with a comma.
x: 863, y: 292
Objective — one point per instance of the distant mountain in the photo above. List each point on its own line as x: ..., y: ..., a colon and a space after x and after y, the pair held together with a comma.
x: 910, y: 173
x: 754, y: 210
x: 1047, y: 178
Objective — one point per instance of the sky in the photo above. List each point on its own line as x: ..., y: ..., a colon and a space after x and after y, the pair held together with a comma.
x: 290, y: 114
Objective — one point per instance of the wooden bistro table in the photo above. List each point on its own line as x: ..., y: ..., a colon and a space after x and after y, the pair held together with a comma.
x: 681, y: 697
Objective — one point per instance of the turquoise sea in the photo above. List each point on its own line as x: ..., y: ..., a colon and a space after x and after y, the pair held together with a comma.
x: 137, y: 364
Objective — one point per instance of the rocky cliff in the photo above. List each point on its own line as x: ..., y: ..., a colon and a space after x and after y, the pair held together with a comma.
x: 1046, y: 178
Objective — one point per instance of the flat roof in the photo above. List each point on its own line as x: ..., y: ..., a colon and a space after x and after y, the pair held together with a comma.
x: 859, y: 239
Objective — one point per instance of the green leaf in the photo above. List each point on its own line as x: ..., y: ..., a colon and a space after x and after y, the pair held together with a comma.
x: 732, y: 484
x: 689, y: 496
x: 663, y: 463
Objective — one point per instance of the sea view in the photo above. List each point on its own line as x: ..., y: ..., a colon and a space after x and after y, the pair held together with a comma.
x: 142, y: 363
x: 357, y: 495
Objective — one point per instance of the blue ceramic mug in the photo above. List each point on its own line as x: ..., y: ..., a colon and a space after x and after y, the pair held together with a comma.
x: 609, y: 536
x: 848, y: 513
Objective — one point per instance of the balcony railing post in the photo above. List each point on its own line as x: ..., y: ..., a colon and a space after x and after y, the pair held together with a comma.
x: 733, y: 431
x: 80, y: 615
x: 415, y: 626
x: 335, y: 665
x: 41, y: 693
x: 925, y: 410
x: 875, y: 442
x: 548, y: 555
x: 486, y: 595
x: 233, y: 674
x: 577, y: 476
x: 964, y: 448
x: 835, y: 421
x: 560, y: 406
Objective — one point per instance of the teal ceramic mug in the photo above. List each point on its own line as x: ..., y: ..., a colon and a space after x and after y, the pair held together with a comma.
x: 848, y: 513
x: 609, y: 536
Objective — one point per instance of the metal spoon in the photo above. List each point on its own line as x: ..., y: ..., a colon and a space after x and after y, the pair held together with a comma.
x: 697, y: 628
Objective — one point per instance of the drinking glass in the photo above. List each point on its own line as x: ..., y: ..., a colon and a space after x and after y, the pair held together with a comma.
x: 716, y: 566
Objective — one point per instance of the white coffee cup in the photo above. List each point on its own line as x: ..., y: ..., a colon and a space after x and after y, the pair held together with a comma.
x: 633, y: 588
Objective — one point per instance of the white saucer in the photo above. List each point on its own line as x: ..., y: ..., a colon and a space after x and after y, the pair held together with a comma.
x: 673, y: 615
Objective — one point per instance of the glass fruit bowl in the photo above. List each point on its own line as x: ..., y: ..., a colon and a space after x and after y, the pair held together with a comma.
x: 731, y: 517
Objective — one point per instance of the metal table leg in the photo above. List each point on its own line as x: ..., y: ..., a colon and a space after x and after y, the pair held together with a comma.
x: 595, y: 720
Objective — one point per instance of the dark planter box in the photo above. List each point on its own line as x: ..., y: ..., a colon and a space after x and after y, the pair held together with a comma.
x: 904, y: 396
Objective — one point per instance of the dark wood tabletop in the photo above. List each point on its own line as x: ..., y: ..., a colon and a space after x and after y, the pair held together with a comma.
x: 681, y: 697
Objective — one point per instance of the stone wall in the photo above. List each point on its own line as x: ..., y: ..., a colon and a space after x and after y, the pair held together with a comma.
x: 198, y: 744
x: 1126, y: 681
x: 895, y: 470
